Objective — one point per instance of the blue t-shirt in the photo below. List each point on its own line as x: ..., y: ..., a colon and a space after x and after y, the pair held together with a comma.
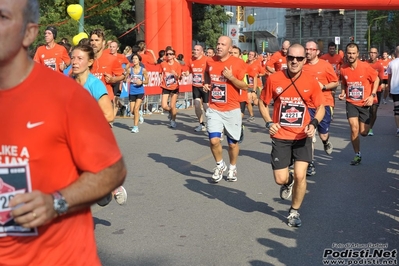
x: 136, y: 89
x: 95, y: 86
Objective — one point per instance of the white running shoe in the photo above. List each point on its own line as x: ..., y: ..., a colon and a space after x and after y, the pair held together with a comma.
x: 172, y: 124
x: 120, y: 195
x: 232, y: 175
x: 200, y: 128
x: 218, y: 173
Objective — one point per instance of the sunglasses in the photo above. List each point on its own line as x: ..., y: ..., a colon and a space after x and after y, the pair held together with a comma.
x: 170, y: 54
x: 298, y: 58
x: 310, y: 49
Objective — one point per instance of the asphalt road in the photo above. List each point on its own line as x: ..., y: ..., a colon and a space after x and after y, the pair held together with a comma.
x: 175, y: 216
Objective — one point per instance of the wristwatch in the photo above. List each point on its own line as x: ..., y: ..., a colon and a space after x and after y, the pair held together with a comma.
x: 269, y: 124
x: 324, y: 88
x: 373, y: 94
x: 59, y: 203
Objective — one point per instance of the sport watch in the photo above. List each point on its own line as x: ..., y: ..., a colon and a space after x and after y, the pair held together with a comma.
x: 373, y: 94
x: 269, y: 124
x: 60, y: 204
x: 324, y: 88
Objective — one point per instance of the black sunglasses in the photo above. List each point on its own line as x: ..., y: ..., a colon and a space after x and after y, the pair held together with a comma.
x: 298, y: 58
x: 170, y: 54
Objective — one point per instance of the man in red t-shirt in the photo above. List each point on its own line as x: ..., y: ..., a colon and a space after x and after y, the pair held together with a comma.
x: 254, y: 83
x: 105, y: 66
x: 384, y: 79
x: 225, y: 74
x: 278, y: 61
x: 52, y: 55
x: 147, y: 56
x: 378, y: 66
x: 359, y: 84
x: 293, y: 91
x: 197, y: 67
x: 50, y: 179
x: 324, y: 73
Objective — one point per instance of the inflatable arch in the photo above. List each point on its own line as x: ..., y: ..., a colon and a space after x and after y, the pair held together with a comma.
x: 168, y: 22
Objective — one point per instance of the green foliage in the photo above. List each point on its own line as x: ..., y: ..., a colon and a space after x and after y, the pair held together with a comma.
x: 208, y: 23
x: 384, y: 28
x: 114, y: 16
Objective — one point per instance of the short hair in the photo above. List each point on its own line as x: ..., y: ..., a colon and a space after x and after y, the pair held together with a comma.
x: 238, y: 48
x: 180, y: 57
x: 142, y: 46
x: 84, y: 41
x: 87, y: 49
x: 98, y: 32
x: 331, y: 44
x: 31, y: 12
x: 135, y: 49
x: 296, y: 45
x: 161, y: 53
x: 352, y: 45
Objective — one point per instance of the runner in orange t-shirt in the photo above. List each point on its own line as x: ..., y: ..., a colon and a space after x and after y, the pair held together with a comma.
x: 225, y: 76
x: 170, y: 71
x: 197, y: 67
x: 384, y: 79
x: 291, y: 127
x: 147, y: 56
x: 324, y: 73
x: 278, y: 60
x: 106, y: 66
x: 253, y: 72
x: 51, y: 178
x: 377, y: 65
x: 52, y: 55
x: 359, y: 84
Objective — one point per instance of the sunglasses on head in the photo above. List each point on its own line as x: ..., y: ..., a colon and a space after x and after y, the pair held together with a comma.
x: 298, y: 58
x: 170, y: 54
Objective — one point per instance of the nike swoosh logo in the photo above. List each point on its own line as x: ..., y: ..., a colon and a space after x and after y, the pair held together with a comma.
x: 305, y: 90
x: 32, y: 125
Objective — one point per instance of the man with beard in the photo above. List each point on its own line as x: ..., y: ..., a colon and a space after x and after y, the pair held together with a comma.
x: 291, y: 127
x: 224, y: 79
x: 325, y: 75
x: 359, y: 84
x: 106, y: 66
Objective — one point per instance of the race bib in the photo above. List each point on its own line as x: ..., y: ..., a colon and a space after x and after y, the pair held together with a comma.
x: 219, y: 93
x: 170, y: 80
x: 14, y: 179
x: 291, y: 115
x: 356, y: 92
x: 197, y: 80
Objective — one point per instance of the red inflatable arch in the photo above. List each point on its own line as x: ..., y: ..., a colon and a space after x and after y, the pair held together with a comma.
x: 168, y: 22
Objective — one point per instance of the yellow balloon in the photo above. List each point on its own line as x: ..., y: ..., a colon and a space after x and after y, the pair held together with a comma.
x: 75, y: 11
x: 78, y: 37
x: 251, y: 19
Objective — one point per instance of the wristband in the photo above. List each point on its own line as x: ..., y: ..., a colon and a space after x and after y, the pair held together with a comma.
x: 269, y: 124
x: 314, y: 122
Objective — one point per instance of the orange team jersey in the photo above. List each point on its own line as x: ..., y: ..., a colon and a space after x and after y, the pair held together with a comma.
x: 147, y: 59
x: 197, y: 69
x: 358, y: 82
x: 122, y: 59
x: 169, y: 80
x: 278, y: 61
x: 290, y: 104
x: 324, y: 73
x: 385, y: 64
x: 380, y: 70
x: 336, y: 61
x: 60, y: 146
x: 107, y: 64
x: 253, y: 70
x: 224, y: 96
x: 52, y: 58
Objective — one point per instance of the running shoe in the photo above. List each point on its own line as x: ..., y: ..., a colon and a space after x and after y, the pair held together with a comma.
x: 286, y: 189
x: 251, y: 119
x: 232, y: 175
x: 384, y: 101
x: 105, y: 201
x: 135, y: 129
x: 356, y: 160
x: 371, y: 133
x: 120, y: 195
x: 328, y: 148
x: 397, y: 133
x: 218, y: 173
x: 172, y: 124
x: 293, y: 219
x: 200, y: 128
x: 311, y: 170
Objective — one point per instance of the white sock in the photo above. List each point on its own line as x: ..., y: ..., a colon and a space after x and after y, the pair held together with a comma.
x: 232, y: 167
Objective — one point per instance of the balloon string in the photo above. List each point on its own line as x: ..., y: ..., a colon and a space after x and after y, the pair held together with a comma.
x: 82, y: 27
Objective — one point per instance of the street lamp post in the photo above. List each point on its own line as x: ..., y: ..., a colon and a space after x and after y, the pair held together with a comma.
x: 369, y: 29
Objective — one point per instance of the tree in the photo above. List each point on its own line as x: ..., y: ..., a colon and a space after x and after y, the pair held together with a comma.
x: 384, y: 32
x: 114, y: 16
x: 208, y: 23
